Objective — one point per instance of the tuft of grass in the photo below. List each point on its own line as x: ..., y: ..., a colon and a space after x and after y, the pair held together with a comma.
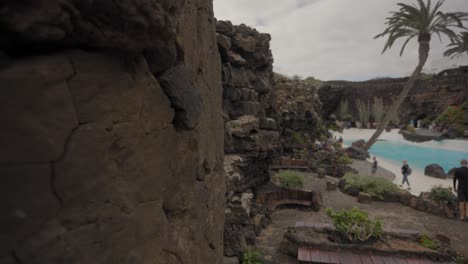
x: 427, y: 242
x: 291, y: 179
x: 375, y: 186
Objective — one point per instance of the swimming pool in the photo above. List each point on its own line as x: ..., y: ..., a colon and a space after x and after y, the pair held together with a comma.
x: 393, y: 147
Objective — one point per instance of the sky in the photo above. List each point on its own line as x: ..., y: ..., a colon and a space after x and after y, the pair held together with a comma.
x: 334, y: 39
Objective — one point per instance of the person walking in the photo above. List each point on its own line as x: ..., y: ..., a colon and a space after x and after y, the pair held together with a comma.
x: 375, y: 165
x: 461, y: 175
x: 406, y: 171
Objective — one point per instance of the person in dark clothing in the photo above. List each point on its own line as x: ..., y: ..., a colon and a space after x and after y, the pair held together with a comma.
x: 374, y: 165
x: 405, y: 170
x: 461, y: 175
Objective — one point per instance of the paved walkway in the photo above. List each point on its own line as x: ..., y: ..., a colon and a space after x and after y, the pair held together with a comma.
x: 365, y: 169
x: 394, y: 215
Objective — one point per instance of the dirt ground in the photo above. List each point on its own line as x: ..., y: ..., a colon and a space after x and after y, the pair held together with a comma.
x: 394, y: 215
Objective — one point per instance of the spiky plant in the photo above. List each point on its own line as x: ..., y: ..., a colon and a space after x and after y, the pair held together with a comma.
x: 458, y: 47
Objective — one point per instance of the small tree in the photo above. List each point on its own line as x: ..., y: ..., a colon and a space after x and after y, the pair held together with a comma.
x: 364, y: 111
x: 393, y: 116
x: 343, y: 110
x: 378, y: 109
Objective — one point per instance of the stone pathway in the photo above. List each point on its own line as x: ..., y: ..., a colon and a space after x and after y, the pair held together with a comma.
x: 364, y: 169
x: 394, y: 215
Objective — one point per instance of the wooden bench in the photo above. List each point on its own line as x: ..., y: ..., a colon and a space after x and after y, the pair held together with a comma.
x: 284, y: 167
x: 311, y: 255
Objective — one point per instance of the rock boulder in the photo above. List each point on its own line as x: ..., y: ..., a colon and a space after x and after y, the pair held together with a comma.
x: 357, y: 153
x: 359, y: 143
x: 364, y: 198
x: 434, y: 170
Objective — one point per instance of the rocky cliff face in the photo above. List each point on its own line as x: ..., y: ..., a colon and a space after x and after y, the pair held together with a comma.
x: 250, y: 137
x: 111, y: 144
x: 428, y: 98
x: 296, y: 107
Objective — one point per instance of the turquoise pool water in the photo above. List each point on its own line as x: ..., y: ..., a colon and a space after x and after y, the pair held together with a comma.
x: 418, y: 157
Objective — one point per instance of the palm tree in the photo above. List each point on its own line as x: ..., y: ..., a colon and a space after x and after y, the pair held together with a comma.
x: 419, y: 21
x: 459, y: 47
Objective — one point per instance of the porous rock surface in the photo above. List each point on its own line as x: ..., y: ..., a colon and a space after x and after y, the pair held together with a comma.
x: 251, y: 138
x: 295, y: 105
x: 103, y: 158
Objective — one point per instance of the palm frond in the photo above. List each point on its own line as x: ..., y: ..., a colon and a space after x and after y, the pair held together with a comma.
x: 421, y: 19
x: 458, y: 47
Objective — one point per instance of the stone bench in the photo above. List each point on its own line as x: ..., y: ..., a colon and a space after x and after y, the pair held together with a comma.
x: 273, y: 199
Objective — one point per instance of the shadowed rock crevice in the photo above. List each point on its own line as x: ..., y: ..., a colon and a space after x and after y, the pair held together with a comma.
x: 187, y: 102
x: 15, y: 258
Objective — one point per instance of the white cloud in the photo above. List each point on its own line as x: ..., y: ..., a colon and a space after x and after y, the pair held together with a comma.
x: 333, y: 39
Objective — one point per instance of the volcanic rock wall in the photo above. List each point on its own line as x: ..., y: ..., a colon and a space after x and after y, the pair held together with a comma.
x: 428, y: 98
x: 296, y: 107
x: 111, y: 144
x: 250, y: 137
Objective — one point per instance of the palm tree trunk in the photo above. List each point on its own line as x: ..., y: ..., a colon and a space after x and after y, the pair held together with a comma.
x: 423, y: 54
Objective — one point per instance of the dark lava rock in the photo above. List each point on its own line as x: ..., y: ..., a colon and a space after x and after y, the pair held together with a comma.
x: 434, y: 170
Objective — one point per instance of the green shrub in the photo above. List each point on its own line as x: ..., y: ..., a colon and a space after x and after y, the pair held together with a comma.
x: 464, y: 106
x: 443, y: 195
x: 345, y: 160
x: 251, y: 256
x: 355, y: 224
x: 452, y: 116
x: 410, y: 129
x: 460, y: 131
x: 459, y: 258
x: 427, y: 242
x: 347, y: 117
x: 297, y: 138
x: 375, y: 186
x: 291, y: 179
x: 333, y: 127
